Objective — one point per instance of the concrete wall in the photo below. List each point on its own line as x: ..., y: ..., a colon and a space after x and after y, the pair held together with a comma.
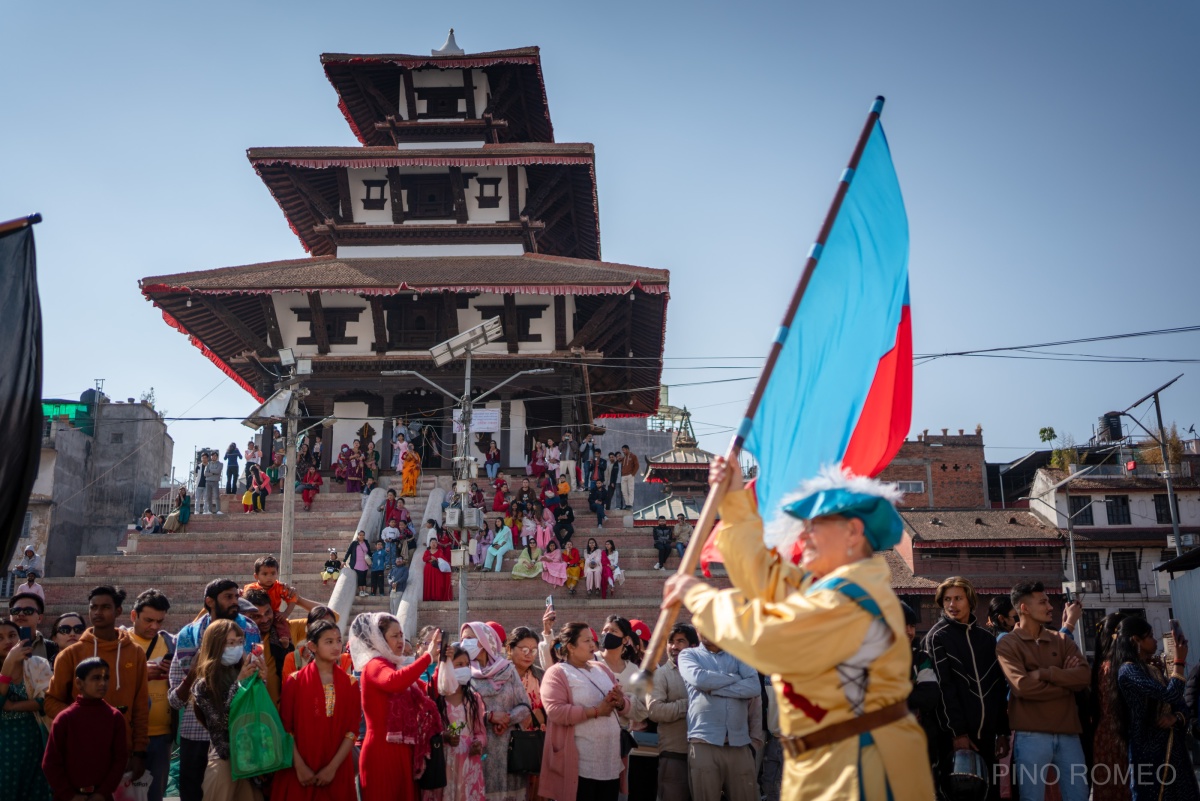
x: 643, y: 443
x: 131, y: 455
x: 67, y: 517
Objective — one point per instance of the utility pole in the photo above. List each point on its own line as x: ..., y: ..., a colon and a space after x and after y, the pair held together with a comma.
x: 1161, y: 439
x: 287, y: 536
x: 1162, y: 448
x: 463, y: 451
x: 463, y: 346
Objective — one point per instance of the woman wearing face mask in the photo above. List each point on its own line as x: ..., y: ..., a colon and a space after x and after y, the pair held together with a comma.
x: 218, y: 670
x: 507, y: 702
x: 582, y: 756
x: 401, y: 718
x: 465, y: 733
x: 620, y: 650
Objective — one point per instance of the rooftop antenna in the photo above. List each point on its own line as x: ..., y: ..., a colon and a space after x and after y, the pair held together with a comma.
x: 450, y: 48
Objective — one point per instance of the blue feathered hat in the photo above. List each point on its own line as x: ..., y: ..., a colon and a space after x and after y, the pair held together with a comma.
x: 837, y: 492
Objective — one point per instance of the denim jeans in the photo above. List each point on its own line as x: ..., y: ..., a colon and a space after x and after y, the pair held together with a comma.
x: 1034, y: 753
x: 680, y: 548
x: 493, y: 469
x: 158, y: 762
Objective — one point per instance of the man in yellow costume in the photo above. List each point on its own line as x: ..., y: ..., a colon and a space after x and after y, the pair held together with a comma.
x: 830, y: 633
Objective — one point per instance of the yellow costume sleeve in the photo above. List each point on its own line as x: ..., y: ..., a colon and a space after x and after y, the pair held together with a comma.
x: 752, y: 568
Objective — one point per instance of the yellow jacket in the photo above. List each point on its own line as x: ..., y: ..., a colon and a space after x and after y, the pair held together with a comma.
x: 782, y: 622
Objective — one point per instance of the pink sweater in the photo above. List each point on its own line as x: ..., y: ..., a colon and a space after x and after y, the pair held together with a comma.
x: 560, y: 758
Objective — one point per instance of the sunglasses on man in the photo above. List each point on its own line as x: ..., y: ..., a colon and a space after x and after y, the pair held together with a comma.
x: 24, y: 611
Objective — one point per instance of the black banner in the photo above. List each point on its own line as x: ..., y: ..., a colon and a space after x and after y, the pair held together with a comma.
x: 20, y: 383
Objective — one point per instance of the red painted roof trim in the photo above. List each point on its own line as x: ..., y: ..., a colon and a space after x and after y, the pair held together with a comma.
x: 210, y: 355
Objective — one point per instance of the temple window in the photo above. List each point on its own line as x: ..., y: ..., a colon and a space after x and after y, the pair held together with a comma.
x: 441, y: 102
x: 489, y: 193
x: 413, y: 324
x: 376, y: 197
x: 335, y: 325
x: 525, y: 317
x: 431, y: 197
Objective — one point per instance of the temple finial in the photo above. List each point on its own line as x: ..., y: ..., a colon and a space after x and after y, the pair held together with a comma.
x: 450, y: 48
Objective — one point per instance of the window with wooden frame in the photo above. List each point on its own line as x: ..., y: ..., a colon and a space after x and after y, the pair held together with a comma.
x: 1087, y: 565
x: 1079, y: 507
x: 413, y: 324
x: 441, y: 102
x: 1118, y: 510
x: 376, y: 195
x: 336, y: 321
x: 1125, y: 572
x: 431, y: 197
x: 525, y: 317
x: 489, y: 193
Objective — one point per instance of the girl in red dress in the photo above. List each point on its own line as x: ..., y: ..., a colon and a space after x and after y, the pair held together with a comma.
x: 321, y: 709
x: 390, y: 751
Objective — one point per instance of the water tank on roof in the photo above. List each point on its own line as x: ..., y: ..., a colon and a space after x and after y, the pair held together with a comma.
x: 1109, y: 429
x: 88, y: 396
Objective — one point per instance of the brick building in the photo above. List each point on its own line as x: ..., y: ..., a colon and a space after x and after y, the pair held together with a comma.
x: 945, y: 471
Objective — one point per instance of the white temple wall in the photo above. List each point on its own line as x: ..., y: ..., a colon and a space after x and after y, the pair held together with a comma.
x: 453, y: 77
x: 350, y: 418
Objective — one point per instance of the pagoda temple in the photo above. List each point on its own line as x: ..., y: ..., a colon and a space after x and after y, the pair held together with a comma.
x: 457, y: 206
x: 681, y: 473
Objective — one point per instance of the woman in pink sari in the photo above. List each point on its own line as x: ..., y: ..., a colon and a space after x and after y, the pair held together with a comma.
x: 555, y: 569
x: 545, y: 525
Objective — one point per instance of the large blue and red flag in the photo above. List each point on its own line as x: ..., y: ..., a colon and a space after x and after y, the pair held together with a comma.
x: 841, y: 387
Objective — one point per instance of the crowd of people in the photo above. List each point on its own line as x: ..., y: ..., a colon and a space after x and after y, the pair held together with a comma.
x: 547, y: 712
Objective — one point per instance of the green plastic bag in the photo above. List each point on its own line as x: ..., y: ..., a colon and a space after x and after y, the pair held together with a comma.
x: 258, y: 743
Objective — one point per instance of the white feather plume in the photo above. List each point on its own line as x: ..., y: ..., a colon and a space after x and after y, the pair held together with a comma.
x: 782, y: 530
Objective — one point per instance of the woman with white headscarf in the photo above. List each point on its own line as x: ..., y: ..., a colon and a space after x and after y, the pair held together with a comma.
x: 401, y: 718
x: 507, y: 702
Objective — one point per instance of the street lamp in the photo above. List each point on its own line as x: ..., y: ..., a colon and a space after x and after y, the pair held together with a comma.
x: 464, y: 346
x: 1162, y: 447
x: 1070, y: 539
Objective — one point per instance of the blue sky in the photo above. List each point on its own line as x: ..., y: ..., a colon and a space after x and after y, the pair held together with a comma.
x: 1046, y: 152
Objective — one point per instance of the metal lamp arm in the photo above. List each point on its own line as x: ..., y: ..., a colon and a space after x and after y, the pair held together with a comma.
x: 415, y: 374
x: 512, y: 377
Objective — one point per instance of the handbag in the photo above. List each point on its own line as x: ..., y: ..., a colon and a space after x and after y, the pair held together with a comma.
x: 525, y: 749
x: 627, y: 743
x: 434, y: 777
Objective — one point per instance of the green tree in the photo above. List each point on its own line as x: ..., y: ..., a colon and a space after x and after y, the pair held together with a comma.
x: 1150, y: 453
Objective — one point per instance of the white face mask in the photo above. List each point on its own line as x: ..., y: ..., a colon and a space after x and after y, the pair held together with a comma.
x: 462, y: 675
x: 407, y: 660
x: 231, y: 655
x: 471, y: 647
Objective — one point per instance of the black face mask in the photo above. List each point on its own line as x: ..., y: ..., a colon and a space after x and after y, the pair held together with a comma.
x: 610, y: 642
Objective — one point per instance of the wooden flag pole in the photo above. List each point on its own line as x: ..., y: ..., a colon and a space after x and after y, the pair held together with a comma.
x: 19, y: 223
x: 708, y: 514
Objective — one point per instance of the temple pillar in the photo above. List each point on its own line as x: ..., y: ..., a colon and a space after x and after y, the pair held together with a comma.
x: 385, y: 447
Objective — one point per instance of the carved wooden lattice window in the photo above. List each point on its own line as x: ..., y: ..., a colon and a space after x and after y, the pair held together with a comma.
x: 489, y: 193
x: 335, y: 325
x: 431, y: 197
x: 413, y: 324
